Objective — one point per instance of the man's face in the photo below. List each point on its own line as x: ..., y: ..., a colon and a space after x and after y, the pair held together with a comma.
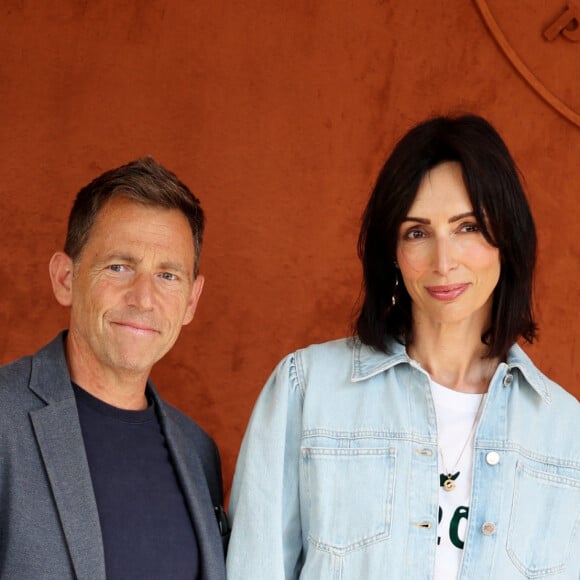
x: 132, y: 289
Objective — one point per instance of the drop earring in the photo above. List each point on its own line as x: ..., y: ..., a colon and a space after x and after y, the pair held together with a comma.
x: 395, y: 289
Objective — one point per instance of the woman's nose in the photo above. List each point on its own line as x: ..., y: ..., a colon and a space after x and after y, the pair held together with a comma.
x: 444, y: 255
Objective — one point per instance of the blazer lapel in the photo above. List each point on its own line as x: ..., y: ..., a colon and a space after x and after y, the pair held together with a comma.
x: 60, y: 440
x: 195, y: 488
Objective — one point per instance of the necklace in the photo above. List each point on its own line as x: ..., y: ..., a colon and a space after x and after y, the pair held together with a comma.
x: 447, y: 478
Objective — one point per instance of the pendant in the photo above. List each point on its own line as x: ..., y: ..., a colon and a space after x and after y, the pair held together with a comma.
x: 449, y: 484
x: 447, y: 480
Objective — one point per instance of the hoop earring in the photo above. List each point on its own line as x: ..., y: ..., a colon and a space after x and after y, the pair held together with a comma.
x: 394, y: 296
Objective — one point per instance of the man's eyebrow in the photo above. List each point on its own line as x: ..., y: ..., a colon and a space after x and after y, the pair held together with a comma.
x: 175, y: 267
x: 120, y: 257
x: 451, y: 220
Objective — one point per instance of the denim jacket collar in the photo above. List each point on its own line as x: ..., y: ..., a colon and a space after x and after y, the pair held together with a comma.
x: 368, y: 362
x: 517, y: 358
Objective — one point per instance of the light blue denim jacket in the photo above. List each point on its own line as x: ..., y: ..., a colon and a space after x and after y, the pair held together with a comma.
x: 337, y: 478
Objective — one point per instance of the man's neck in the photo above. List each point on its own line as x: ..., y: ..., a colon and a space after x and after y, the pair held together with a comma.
x: 129, y: 400
x: 120, y: 388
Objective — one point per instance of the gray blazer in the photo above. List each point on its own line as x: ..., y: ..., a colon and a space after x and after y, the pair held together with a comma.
x: 49, y: 525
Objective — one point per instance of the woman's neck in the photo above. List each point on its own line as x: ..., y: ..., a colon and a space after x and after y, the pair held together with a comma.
x: 454, y: 357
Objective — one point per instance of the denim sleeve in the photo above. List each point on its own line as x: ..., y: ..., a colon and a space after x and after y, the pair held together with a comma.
x: 266, y: 541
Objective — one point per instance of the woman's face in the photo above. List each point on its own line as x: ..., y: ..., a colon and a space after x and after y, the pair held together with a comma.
x: 448, y: 267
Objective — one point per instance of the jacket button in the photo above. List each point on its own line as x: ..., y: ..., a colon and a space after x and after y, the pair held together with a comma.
x: 488, y: 529
x: 492, y: 458
x: 507, y: 380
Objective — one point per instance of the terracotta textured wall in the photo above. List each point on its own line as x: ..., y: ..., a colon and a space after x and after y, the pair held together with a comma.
x: 278, y: 115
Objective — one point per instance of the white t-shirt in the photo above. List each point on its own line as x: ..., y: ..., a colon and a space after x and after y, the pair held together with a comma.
x: 457, y: 413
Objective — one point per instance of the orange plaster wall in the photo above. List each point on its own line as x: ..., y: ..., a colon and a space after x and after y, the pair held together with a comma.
x: 278, y: 115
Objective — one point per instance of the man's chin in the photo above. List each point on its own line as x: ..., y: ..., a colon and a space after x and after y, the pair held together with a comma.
x: 134, y: 363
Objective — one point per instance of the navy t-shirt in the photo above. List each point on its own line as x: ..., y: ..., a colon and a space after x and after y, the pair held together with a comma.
x: 145, y: 523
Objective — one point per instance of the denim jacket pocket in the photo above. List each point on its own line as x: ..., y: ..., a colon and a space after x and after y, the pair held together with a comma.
x: 544, y: 521
x: 350, y: 493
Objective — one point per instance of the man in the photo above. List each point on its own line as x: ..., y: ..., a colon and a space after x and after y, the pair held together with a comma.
x: 99, y: 478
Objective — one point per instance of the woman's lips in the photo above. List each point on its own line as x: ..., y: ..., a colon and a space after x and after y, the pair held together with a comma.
x: 448, y: 292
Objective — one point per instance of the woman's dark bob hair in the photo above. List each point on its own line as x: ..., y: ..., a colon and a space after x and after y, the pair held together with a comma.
x: 499, y: 204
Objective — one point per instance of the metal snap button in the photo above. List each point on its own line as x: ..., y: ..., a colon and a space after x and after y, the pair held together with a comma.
x: 507, y: 380
x: 488, y: 528
x: 492, y: 458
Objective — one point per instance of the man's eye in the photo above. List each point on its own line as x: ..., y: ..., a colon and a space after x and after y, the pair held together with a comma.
x: 117, y: 268
x: 168, y: 276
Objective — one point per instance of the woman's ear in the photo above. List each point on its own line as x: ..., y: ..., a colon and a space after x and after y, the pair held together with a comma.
x: 61, y: 271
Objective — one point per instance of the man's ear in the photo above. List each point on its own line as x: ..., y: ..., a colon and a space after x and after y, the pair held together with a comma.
x: 61, y: 271
x: 193, y: 299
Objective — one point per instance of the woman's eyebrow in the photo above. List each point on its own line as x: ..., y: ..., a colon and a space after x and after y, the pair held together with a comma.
x: 417, y: 219
x: 461, y: 216
x: 451, y: 220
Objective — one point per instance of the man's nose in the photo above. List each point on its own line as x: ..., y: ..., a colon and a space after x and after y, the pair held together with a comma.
x: 141, y: 292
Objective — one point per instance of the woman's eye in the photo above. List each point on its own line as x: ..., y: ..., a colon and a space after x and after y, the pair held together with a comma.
x: 414, y: 234
x: 470, y: 227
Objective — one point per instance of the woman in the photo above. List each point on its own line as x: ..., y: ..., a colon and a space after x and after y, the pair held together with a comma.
x: 429, y: 445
